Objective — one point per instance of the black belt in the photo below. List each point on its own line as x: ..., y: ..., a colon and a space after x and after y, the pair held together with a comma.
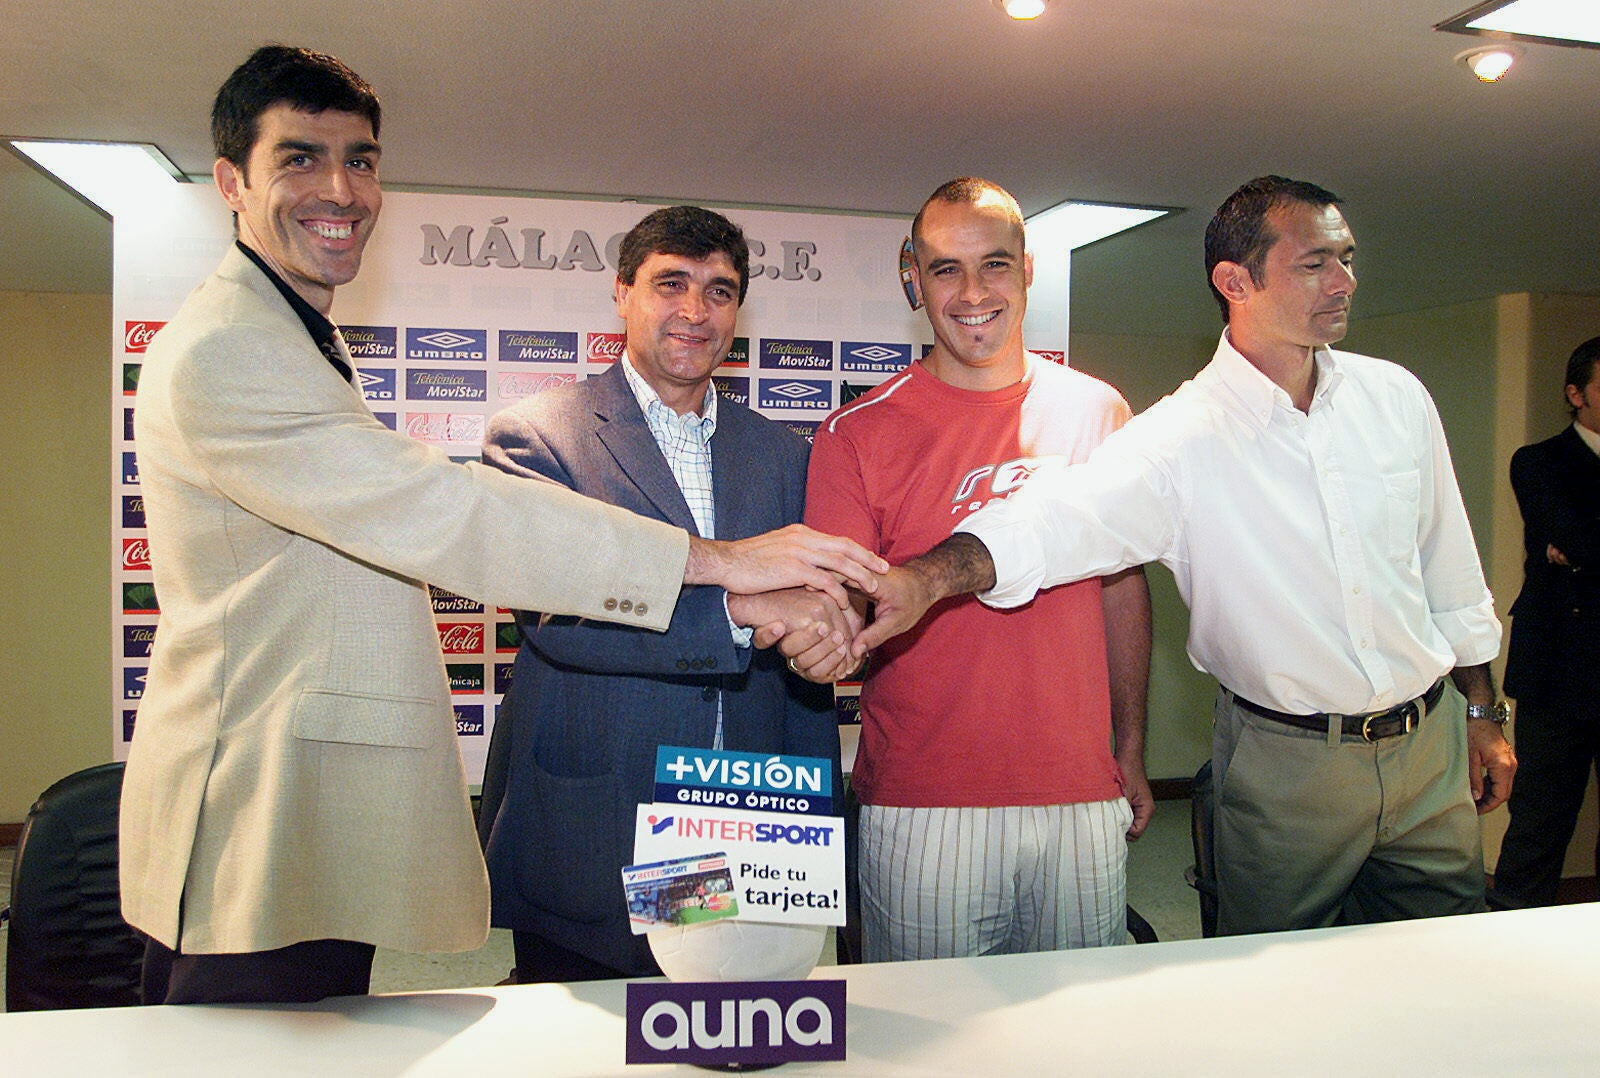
x: 1373, y: 727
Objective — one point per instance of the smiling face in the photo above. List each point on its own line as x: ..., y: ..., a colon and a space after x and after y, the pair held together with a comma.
x: 680, y: 314
x: 972, y: 274
x: 1303, y: 298
x: 308, y: 197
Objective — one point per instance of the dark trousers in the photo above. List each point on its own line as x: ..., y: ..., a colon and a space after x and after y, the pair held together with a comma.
x: 299, y: 973
x: 1557, y: 746
x: 539, y: 960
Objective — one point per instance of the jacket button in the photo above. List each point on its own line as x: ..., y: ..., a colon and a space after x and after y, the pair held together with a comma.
x: 696, y: 664
x: 642, y: 609
x: 625, y: 606
x: 683, y: 664
x: 711, y: 663
x: 610, y: 604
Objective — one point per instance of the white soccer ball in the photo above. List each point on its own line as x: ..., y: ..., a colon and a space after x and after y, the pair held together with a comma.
x: 738, y: 950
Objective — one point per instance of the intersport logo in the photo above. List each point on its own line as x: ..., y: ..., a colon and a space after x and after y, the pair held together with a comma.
x: 136, y: 336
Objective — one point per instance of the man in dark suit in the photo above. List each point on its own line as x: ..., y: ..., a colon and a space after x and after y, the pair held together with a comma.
x: 574, y: 750
x: 1555, y: 640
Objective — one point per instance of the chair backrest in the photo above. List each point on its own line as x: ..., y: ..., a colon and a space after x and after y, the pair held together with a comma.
x: 67, y: 944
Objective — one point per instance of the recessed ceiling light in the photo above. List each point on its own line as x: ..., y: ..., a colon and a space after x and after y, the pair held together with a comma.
x: 1022, y: 10
x: 111, y: 175
x: 1070, y: 225
x: 1490, y: 63
x: 1545, y: 22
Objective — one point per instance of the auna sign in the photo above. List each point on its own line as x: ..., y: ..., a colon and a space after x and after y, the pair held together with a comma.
x: 743, y: 1022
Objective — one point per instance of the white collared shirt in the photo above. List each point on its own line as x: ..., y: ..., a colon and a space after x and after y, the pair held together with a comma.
x: 1589, y: 437
x: 1325, y: 556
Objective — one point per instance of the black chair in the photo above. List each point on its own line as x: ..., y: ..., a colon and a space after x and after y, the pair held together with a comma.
x: 67, y: 945
x: 1140, y: 929
x: 1202, y: 876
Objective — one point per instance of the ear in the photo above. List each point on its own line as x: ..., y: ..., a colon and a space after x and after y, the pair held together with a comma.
x: 914, y: 287
x: 1233, y: 281
x: 619, y: 294
x: 1027, y: 270
x: 1575, y: 396
x: 230, y: 181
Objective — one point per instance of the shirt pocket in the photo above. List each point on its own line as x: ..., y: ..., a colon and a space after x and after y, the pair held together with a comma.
x: 401, y: 722
x: 1402, y: 496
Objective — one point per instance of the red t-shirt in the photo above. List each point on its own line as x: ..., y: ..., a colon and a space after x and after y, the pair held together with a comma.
x: 974, y: 706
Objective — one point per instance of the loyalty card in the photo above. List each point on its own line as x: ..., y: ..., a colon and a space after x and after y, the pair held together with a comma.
x: 682, y: 891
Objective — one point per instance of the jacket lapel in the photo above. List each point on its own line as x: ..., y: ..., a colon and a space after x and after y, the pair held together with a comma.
x: 625, y: 434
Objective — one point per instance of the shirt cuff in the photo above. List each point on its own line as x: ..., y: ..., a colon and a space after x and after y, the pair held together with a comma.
x: 1473, y: 632
x: 1016, y: 551
x: 742, y: 634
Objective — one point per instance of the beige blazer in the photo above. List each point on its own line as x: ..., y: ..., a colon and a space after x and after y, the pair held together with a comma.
x: 294, y: 773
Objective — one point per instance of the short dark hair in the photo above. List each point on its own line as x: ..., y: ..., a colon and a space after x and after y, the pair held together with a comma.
x: 969, y: 191
x: 689, y: 231
x: 1239, y: 232
x: 281, y: 74
x: 1580, y: 367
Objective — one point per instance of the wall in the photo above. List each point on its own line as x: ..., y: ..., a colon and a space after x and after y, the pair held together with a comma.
x: 55, y: 616
x: 1145, y: 369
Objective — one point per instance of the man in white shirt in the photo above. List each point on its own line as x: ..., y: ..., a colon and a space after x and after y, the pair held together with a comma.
x: 1305, y: 501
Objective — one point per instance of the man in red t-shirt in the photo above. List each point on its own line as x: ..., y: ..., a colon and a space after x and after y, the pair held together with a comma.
x: 995, y: 809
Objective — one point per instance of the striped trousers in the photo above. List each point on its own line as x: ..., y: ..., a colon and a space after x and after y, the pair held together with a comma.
x: 957, y: 882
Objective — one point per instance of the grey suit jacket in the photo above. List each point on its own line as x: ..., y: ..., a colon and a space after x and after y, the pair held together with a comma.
x: 294, y: 773
x: 574, y: 746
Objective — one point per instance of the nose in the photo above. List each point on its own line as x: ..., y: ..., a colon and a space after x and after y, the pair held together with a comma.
x: 1344, y: 280
x: 693, y: 307
x: 972, y: 289
x: 336, y: 186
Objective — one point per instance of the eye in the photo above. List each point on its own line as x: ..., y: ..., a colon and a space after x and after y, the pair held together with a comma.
x: 362, y: 164
x: 298, y: 160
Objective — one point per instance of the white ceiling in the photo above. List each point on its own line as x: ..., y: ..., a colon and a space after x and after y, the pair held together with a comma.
x: 1455, y: 190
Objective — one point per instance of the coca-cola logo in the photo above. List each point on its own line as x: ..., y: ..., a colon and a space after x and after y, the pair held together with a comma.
x: 446, y: 428
x: 605, y: 347
x: 136, y: 336
x: 457, y: 638
x: 136, y: 553
x: 1053, y: 355
x: 518, y: 386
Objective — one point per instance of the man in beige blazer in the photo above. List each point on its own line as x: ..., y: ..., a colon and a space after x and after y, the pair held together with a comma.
x: 294, y: 795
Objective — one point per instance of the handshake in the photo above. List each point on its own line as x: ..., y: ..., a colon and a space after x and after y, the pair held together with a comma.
x: 808, y: 592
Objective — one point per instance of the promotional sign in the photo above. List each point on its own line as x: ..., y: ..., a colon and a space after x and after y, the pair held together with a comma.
x: 743, y: 1023
x: 787, y: 869
x: 750, y: 780
x: 466, y: 304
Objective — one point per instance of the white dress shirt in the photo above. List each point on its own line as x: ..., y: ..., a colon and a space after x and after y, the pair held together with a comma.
x: 1325, y: 556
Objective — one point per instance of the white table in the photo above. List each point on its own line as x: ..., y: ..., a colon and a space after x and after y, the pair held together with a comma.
x: 1504, y: 994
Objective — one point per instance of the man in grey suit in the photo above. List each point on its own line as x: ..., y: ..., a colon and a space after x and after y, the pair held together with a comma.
x: 294, y: 795
x: 575, y: 746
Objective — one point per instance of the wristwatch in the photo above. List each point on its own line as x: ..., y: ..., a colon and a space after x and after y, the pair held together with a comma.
x: 1498, y: 712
